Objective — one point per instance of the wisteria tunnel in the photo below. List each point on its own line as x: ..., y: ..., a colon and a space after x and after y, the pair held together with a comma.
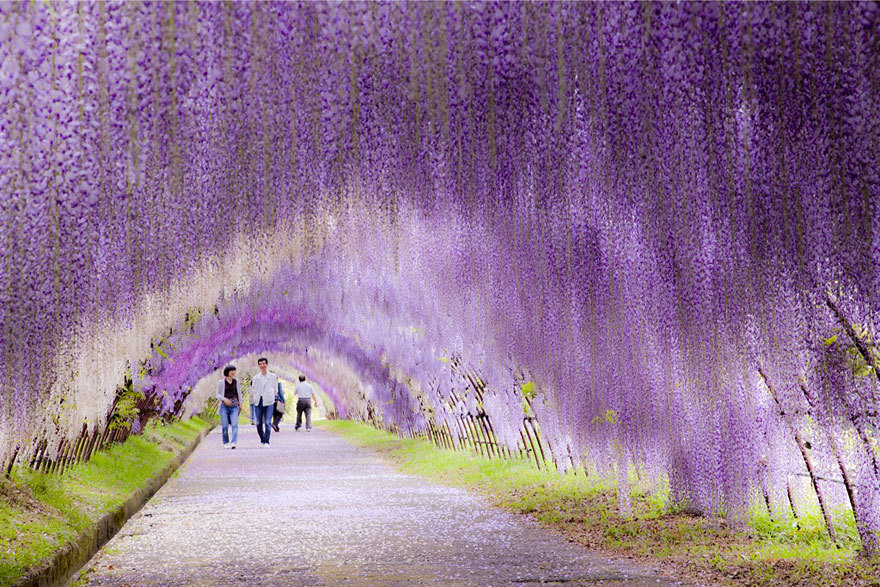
x: 605, y: 236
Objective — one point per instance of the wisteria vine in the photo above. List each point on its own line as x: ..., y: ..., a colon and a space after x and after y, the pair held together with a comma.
x: 662, y: 217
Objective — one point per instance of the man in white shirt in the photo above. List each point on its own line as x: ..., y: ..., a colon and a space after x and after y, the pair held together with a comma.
x: 264, y: 385
x: 304, y: 394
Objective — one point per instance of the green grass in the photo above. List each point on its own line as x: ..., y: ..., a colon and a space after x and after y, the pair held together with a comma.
x: 765, y: 551
x: 40, y: 513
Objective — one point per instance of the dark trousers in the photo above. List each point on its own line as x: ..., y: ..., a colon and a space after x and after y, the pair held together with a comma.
x: 276, y: 418
x: 304, y: 405
x: 264, y: 421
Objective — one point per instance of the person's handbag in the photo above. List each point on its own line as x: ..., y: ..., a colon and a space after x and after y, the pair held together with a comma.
x: 280, y: 407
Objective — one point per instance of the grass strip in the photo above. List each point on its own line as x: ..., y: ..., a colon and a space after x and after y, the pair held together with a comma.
x: 698, y: 548
x: 40, y: 513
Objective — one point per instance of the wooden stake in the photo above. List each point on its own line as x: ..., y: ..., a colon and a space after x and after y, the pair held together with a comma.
x: 838, y: 456
x: 805, y: 454
x: 791, y: 502
x: 11, y: 461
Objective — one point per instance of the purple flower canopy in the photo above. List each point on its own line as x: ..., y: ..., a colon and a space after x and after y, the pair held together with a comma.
x: 632, y: 207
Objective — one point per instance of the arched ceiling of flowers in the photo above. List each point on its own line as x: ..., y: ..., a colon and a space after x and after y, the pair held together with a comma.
x: 632, y: 205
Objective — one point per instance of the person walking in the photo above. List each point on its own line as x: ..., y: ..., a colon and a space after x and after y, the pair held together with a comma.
x: 229, y: 394
x: 280, y: 408
x: 304, y: 394
x: 264, y: 386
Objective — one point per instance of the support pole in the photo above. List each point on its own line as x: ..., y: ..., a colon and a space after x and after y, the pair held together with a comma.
x: 804, y: 453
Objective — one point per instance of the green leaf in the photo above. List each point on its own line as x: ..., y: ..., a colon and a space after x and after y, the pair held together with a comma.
x: 609, y: 416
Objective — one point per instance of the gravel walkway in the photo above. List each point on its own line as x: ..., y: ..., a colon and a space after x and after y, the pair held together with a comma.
x: 315, y: 510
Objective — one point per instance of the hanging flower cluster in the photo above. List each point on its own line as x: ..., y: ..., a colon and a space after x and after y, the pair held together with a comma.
x: 662, y: 218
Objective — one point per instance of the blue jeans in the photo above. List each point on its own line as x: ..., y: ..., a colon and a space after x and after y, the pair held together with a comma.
x: 229, y: 416
x: 264, y: 421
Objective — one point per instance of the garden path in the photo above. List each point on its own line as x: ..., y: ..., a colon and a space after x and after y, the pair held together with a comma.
x: 315, y: 510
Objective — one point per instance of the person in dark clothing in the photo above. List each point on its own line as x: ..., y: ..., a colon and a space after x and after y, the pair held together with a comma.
x: 229, y: 394
x: 304, y: 394
x: 280, y: 408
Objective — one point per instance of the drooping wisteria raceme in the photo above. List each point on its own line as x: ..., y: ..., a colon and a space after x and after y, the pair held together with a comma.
x: 664, y: 218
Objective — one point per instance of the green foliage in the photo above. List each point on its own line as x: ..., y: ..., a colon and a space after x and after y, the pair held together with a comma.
x: 608, y: 417
x: 191, y: 319
x: 40, y: 513
x: 852, y: 357
x: 126, y: 410
x: 765, y: 551
x: 529, y: 390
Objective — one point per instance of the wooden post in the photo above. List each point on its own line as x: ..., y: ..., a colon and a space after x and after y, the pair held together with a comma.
x: 44, y: 458
x: 77, y: 447
x: 83, y: 443
x: 37, y: 459
x: 838, y: 456
x: 62, y: 456
x: 549, y: 446
x: 504, y: 449
x: 455, y: 445
x: 91, y: 447
x: 431, y: 435
x: 481, y: 430
x: 491, y: 450
x: 869, y: 360
x: 447, y: 440
x: 866, y: 443
x: 103, y: 439
x: 436, y: 436
x: 525, y: 429
x: 464, y: 435
x: 791, y: 501
x: 531, y: 424
x: 764, y: 490
x: 490, y: 436
x: 472, y: 433
x: 53, y: 465
x: 804, y: 453
x: 69, y: 453
x: 574, y: 464
x: 11, y: 461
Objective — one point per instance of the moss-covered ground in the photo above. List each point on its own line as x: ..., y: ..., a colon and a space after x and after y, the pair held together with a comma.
x: 704, y: 549
x: 40, y: 513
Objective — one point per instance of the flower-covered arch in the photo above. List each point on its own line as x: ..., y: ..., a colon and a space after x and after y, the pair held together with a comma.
x: 661, y: 218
